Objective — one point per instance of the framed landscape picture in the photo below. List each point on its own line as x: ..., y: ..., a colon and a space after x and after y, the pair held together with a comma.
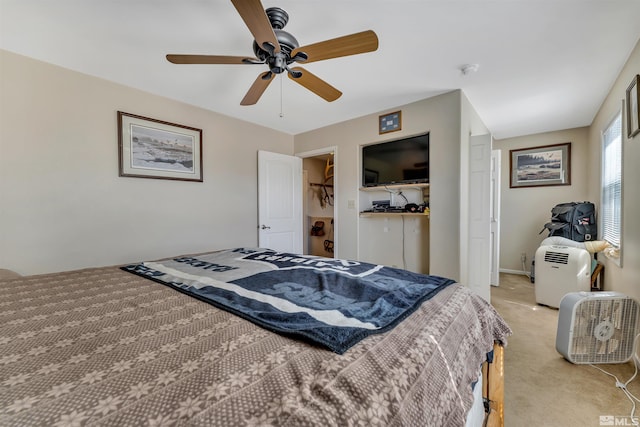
x: 541, y: 166
x: 150, y: 148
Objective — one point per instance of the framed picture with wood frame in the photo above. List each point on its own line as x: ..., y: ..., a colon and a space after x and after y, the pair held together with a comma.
x: 150, y: 148
x: 633, y: 113
x: 541, y: 166
x: 391, y: 122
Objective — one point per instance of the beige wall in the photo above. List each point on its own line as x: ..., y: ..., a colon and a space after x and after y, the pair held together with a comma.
x: 449, y: 128
x: 62, y: 204
x: 624, y: 279
x: 525, y: 210
x: 64, y: 207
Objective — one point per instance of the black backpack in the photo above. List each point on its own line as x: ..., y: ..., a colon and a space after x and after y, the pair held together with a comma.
x: 573, y: 220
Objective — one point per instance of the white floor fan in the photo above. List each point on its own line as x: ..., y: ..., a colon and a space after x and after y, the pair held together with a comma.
x: 597, y: 327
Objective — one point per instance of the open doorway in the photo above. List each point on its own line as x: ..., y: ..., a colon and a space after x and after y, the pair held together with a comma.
x: 319, y: 202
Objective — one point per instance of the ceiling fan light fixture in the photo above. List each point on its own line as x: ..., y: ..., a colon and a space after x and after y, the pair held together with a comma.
x: 278, y: 50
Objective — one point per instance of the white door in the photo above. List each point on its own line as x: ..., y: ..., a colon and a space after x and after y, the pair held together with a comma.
x: 495, y: 217
x: 279, y: 202
x: 479, y: 257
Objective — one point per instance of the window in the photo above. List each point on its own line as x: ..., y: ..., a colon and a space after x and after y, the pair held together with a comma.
x: 611, y: 209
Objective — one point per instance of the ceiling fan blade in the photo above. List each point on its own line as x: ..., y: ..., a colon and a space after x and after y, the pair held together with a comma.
x: 257, y: 88
x: 365, y: 41
x: 315, y: 84
x: 254, y: 16
x: 210, y: 59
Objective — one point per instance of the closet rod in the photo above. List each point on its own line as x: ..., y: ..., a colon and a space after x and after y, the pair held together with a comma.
x: 313, y: 184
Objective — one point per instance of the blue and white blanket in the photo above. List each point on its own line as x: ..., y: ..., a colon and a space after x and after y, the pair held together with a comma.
x: 332, y: 302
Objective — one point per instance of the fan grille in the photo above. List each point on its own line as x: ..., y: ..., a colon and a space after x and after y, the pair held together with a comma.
x: 604, y: 330
x: 556, y: 257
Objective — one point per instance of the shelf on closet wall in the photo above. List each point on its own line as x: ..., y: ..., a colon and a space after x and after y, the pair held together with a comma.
x: 395, y: 187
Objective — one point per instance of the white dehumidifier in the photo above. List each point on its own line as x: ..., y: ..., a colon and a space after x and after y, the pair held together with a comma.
x: 560, y: 270
x: 597, y: 327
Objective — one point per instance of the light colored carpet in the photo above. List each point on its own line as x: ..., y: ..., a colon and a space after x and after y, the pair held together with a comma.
x: 541, y: 387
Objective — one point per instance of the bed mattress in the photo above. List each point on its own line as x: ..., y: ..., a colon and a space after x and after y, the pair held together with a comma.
x: 105, y: 347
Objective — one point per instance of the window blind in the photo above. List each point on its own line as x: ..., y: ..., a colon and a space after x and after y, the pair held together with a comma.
x: 611, y: 209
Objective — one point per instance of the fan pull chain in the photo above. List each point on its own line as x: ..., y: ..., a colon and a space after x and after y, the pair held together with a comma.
x: 281, y: 112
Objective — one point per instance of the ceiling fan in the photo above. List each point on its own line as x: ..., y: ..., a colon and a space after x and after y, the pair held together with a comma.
x: 278, y: 50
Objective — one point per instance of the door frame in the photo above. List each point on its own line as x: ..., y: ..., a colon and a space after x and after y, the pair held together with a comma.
x: 477, y: 240
x: 336, y: 223
x: 496, y: 166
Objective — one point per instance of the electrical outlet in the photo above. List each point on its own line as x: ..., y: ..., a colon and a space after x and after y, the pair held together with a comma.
x: 523, y: 257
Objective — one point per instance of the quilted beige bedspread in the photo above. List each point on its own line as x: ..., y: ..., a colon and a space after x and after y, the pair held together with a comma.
x: 105, y: 347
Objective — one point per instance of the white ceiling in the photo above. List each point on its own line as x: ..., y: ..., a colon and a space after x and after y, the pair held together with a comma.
x: 543, y: 64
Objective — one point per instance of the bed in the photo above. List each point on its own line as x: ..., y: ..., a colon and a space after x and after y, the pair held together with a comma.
x: 119, y: 346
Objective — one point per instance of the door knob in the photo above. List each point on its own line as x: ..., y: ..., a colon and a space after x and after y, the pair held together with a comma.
x: 264, y: 227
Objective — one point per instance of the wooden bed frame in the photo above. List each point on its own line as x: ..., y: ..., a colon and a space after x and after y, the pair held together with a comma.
x: 493, y: 389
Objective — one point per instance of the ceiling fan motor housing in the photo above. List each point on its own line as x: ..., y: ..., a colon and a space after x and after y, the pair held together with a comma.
x: 278, y: 17
x: 287, y: 44
x: 278, y: 62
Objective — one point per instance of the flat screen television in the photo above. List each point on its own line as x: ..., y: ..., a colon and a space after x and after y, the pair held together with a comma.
x: 402, y: 161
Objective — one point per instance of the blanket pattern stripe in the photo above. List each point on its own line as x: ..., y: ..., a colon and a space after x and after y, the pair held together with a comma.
x: 331, y: 302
